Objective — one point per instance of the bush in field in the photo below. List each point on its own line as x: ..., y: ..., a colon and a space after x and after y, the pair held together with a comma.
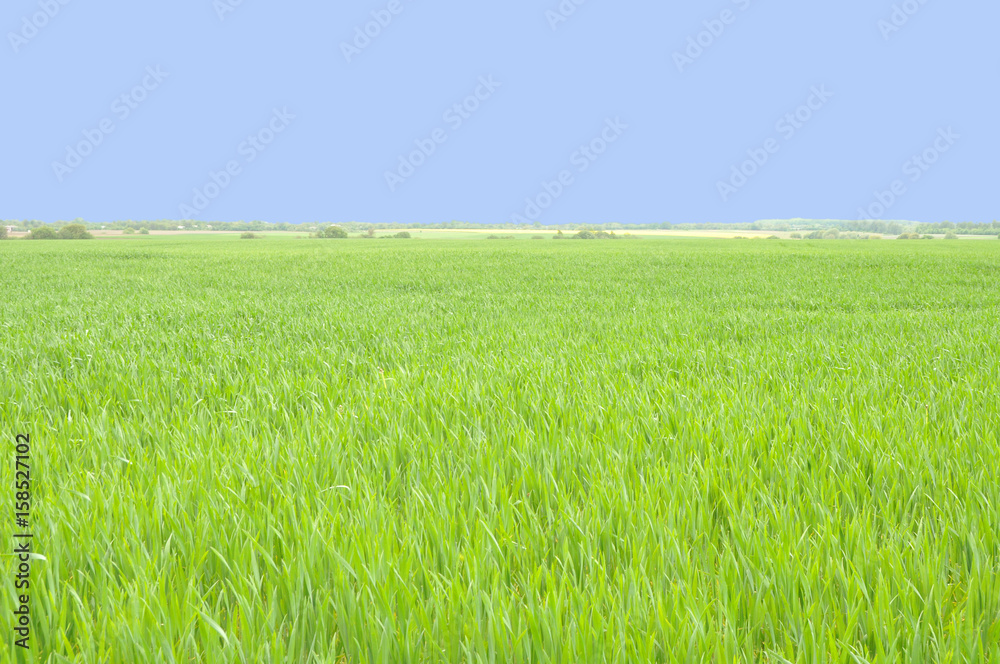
x: 796, y: 236
x: 403, y: 235
x: 3, y: 232
x: 587, y: 234
x: 773, y: 237
x: 537, y: 237
x: 144, y: 231
x: 128, y: 231
x: 74, y: 232
x: 927, y: 237
x: 951, y: 235
x: 43, y: 233
x: 335, y: 232
x: 908, y: 236
x: 251, y: 236
x: 501, y: 237
x: 874, y: 236
x: 833, y: 234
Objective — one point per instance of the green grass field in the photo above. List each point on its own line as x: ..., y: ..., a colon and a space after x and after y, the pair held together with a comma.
x: 291, y: 450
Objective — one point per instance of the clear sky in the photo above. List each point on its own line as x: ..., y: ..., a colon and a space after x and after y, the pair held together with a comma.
x: 583, y: 111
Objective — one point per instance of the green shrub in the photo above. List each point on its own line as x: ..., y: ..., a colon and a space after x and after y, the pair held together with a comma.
x: 501, y: 237
x: 43, y: 233
x: 74, y: 232
x: 927, y: 237
x: 335, y: 232
x: 951, y: 235
x: 144, y: 231
x: 908, y: 236
x: 250, y: 236
x: 403, y: 235
x: 773, y: 237
x: 559, y: 236
x: 537, y: 237
x: 3, y: 232
x: 128, y: 231
x: 796, y: 236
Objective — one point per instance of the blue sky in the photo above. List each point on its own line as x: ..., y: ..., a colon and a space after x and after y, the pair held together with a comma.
x: 535, y: 110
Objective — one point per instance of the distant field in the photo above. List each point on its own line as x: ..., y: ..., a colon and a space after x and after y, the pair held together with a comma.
x: 682, y: 450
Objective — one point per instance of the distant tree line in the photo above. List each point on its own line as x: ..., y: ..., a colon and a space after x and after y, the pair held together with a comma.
x: 962, y: 228
x: 869, y: 226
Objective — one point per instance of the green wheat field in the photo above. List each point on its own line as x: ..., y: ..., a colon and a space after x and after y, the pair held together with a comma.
x: 659, y: 450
